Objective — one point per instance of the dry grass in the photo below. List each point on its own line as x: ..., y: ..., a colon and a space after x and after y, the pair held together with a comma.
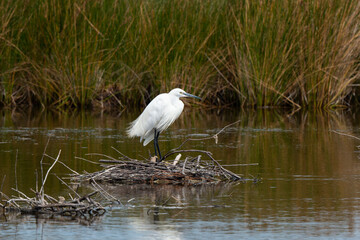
x: 119, y: 53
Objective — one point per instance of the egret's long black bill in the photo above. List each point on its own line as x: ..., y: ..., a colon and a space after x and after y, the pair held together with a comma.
x: 193, y: 96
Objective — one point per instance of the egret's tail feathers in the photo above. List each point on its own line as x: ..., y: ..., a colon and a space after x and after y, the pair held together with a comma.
x: 148, y: 138
x: 131, y: 131
x: 135, y: 129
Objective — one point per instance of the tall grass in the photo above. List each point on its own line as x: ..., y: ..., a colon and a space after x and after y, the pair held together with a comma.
x: 119, y: 53
x: 302, y: 53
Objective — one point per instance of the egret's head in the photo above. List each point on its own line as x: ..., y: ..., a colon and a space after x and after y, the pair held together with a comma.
x: 181, y: 93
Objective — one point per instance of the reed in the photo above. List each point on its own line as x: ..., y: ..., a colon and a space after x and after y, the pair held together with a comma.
x: 298, y: 53
x: 120, y: 53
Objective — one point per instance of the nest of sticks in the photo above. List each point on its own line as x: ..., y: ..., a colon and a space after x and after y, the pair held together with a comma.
x: 190, y: 171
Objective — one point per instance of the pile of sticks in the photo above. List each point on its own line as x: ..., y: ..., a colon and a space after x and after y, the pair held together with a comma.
x: 190, y: 171
x: 80, y: 206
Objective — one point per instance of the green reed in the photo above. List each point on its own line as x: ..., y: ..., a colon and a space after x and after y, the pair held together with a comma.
x: 120, y: 53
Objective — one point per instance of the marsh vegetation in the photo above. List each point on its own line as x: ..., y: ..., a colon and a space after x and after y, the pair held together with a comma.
x: 120, y: 53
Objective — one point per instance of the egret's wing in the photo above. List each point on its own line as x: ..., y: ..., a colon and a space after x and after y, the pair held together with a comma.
x: 169, y: 114
x: 161, y: 112
x: 144, y: 125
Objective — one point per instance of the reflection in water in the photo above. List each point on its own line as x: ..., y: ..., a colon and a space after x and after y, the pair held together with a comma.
x: 310, y: 174
x: 159, y: 200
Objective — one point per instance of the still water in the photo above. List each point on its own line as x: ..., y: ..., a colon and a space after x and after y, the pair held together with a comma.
x: 310, y: 175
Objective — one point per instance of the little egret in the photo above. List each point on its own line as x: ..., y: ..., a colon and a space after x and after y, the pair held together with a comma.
x: 161, y: 112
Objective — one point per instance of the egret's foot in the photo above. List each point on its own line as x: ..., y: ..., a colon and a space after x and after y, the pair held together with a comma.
x: 154, y: 159
x: 159, y: 159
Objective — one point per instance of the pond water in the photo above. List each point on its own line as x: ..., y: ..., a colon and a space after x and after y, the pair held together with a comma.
x: 310, y: 175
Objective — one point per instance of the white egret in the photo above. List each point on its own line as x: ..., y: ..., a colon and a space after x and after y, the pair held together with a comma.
x: 161, y: 112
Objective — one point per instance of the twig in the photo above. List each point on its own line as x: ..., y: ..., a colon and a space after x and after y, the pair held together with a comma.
x: 240, y: 165
x: 110, y: 161
x: 103, y: 155
x: 71, y: 197
x: 13, y: 202
x: 4, y: 195
x: 94, y: 183
x: 36, y: 181
x: 21, y: 193
x: 215, y: 136
x: 344, y: 134
x: 225, y: 170
x: 101, y: 173
x: 86, y: 160
x: 198, y: 161
x: 67, y: 185
x: 16, y: 159
x: 183, y: 170
x: 62, y: 164
x: 50, y: 198
x: 47, y: 174
x: 122, y: 154
x: 177, y: 158
x: 171, y: 152
x: 41, y: 161
x: 1, y: 188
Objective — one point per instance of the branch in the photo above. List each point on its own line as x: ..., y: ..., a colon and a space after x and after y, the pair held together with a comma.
x: 344, y: 134
x: 171, y: 152
x: 123, y: 155
x: 237, y: 177
x: 47, y: 174
x: 201, y: 139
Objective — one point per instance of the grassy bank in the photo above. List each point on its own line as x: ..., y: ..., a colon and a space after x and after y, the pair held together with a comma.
x: 116, y: 54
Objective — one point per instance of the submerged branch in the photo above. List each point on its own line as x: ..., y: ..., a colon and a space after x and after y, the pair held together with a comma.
x: 215, y: 136
x: 345, y: 134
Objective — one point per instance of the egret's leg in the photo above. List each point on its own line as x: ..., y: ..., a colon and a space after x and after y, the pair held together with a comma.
x: 157, y: 144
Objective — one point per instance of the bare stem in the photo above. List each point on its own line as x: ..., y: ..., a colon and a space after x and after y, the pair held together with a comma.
x: 41, y: 161
x: 344, y: 134
x: 215, y: 136
x: 16, y: 159
x: 47, y: 174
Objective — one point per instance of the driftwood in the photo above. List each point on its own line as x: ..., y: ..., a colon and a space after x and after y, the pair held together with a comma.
x: 42, y: 204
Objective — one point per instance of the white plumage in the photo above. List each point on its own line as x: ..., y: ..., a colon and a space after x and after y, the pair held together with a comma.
x: 161, y: 112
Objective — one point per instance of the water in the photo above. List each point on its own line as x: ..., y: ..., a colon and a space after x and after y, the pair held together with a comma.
x: 310, y: 176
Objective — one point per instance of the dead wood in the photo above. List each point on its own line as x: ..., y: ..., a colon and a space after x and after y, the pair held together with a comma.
x: 183, y: 172
x: 193, y: 170
x: 84, y: 207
